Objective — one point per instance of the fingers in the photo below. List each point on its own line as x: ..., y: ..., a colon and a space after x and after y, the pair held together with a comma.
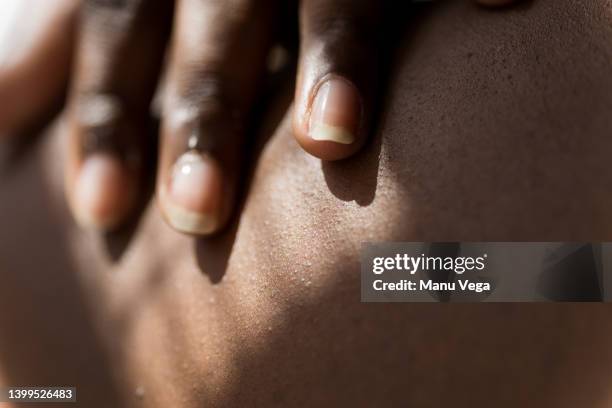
x: 336, y: 83
x: 337, y: 74
x: 33, y: 34
x: 218, y: 56
x: 121, y: 45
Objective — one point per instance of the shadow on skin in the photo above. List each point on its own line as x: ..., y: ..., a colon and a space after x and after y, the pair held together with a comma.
x: 326, y: 348
x: 47, y: 334
x: 213, y: 253
x: 338, y: 174
x: 491, y: 160
x: 346, y: 188
x: 16, y: 146
x: 117, y: 242
x: 51, y: 332
x: 396, y: 355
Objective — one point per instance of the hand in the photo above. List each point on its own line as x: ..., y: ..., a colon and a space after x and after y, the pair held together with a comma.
x: 215, y: 64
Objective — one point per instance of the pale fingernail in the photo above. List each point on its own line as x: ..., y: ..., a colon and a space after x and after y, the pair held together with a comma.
x: 194, y: 194
x: 336, y: 112
x: 100, y: 192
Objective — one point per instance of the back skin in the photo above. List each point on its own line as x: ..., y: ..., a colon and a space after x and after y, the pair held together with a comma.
x: 495, y: 126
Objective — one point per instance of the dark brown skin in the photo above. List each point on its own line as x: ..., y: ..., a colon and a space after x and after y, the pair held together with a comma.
x: 216, y: 59
x: 496, y: 127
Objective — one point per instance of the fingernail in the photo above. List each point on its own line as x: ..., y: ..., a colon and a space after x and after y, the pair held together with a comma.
x: 100, y: 192
x: 194, y: 194
x: 336, y: 112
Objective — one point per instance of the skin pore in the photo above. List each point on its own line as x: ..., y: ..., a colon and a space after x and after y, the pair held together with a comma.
x: 495, y: 127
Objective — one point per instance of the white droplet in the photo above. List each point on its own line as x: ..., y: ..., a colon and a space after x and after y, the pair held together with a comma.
x: 193, y: 142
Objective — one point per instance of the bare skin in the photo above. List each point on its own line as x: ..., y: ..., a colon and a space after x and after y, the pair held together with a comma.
x: 492, y: 131
x: 215, y: 69
x: 34, y: 33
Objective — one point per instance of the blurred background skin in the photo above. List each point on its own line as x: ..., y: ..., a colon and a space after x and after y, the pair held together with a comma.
x: 494, y: 128
x: 39, y: 69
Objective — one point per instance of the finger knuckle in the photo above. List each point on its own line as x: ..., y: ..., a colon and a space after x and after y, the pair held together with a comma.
x: 330, y: 22
x: 230, y: 10
x: 203, y: 96
x: 110, y: 12
x: 112, y: 4
x: 204, y: 104
x: 94, y: 110
x: 205, y: 89
x: 100, y: 117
